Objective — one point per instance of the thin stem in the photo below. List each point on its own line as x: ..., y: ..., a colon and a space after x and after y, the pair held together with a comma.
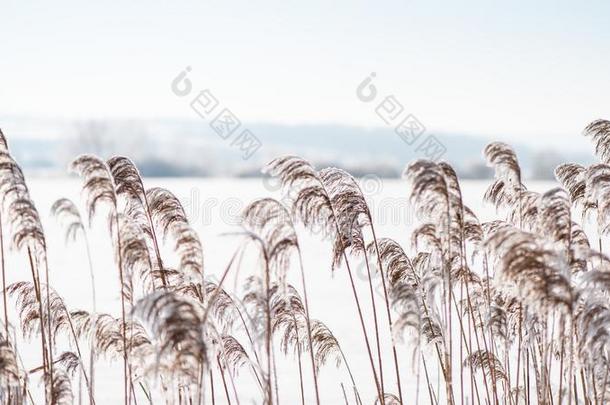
x: 388, y: 313
x: 47, y: 366
x: 212, y: 387
x: 376, y: 325
x: 94, y: 323
x: 268, y: 324
x: 80, y: 357
x: 298, y: 345
x: 4, y: 297
x: 123, y: 311
x: 154, y: 237
x: 354, y: 291
x: 360, y: 316
x: 224, y: 382
x: 49, y: 326
x: 308, y: 321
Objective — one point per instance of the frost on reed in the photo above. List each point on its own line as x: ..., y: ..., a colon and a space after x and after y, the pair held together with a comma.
x: 515, y: 310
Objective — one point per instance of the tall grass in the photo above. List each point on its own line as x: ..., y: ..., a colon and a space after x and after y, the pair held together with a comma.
x: 511, y: 311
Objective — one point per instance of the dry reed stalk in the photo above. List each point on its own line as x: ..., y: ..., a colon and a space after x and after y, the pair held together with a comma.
x: 314, y: 202
x: 531, y: 315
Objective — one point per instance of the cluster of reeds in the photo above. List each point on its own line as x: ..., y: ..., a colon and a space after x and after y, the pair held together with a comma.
x: 512, y: 311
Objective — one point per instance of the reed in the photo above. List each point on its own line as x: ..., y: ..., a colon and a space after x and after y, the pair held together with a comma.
x: 511, y: 311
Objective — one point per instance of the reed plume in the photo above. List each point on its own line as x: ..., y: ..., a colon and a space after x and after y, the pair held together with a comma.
x: 272, y: 221
x: 68, y: 216
x: 13, y: 378
x: 167, y: 214
x: 507, y: 187
x: 514, y: 310
x: 179, y: 338
x: 99, y: 189
x: 599, y: 131
x: 129, y: 184
x: 313, y: 205
x: 430, y: 200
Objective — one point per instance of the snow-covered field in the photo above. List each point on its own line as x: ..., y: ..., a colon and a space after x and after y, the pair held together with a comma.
x: 213, y: 206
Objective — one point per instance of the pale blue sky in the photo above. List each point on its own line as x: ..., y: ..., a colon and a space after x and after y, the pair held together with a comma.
x: 536, y: 72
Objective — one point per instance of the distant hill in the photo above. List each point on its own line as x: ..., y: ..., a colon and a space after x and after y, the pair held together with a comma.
x: 192, y: 148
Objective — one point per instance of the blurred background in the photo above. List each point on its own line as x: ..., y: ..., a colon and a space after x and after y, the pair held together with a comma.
x: 105, y: 78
